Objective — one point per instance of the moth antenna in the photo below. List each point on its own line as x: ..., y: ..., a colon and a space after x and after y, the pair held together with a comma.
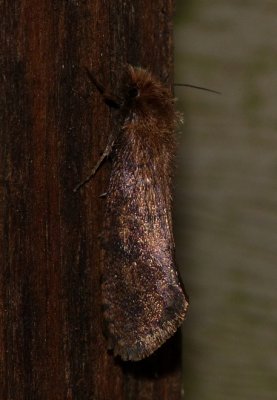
x: 197, y: 87
x: 110, y: 99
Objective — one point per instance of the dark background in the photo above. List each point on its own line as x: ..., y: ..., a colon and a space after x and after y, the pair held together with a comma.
x: 226, y: 193
x: 51, y: 134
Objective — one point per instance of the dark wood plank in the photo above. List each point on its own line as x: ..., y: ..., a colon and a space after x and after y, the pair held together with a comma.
x: 51, y: 342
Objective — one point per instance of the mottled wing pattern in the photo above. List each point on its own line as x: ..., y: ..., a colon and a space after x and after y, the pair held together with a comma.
x: 143, y: 300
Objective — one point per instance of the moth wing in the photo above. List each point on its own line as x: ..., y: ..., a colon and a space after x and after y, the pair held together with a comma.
x: 149, y: 306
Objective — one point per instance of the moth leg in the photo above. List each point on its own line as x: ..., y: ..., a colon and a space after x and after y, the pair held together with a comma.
x: 112, y: 101
x: 96, y: 167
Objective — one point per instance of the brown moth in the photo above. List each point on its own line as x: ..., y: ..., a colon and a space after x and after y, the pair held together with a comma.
x: 143, y: 299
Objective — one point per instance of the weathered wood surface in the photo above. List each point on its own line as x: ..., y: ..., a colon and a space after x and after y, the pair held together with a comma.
x: 227, y: 208
x: 51, y: 343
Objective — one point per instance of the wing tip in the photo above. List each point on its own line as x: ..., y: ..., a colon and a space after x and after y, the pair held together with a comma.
x: 138, y: 348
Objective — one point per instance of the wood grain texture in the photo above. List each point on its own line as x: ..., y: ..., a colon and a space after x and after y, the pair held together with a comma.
x: 51, y: 342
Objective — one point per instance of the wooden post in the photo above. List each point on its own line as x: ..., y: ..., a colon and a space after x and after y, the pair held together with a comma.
x: 51, y: 342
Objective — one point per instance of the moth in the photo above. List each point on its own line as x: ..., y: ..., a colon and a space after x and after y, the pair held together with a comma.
x: 144, y: 301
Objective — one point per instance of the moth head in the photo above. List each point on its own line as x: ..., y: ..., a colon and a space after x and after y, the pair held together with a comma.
x: 146, y: 94
x: 133, y: 92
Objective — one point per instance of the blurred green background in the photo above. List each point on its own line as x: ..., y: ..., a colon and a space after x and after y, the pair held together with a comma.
x: 226, y: 197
